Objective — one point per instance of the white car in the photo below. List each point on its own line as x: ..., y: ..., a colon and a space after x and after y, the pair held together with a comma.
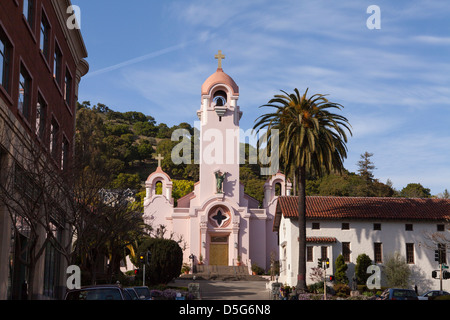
x: 430, y: 295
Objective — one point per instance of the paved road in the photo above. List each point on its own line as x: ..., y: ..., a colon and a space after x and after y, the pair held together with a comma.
x: 230, y: 290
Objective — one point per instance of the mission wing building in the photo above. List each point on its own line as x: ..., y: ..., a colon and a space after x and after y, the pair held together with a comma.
x: 377, y: 227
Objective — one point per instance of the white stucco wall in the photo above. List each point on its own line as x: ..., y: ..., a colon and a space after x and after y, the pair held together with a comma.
x: 362, y: 237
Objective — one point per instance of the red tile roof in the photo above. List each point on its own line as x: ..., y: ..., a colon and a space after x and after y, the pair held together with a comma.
x: 318, y: 207
x: 321, y: 239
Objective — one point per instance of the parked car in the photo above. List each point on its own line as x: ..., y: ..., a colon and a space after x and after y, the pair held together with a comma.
x: 430, y: 295
x: 143, y: 293
x: 98, y: 292
x: 399, y: 294
x: 133, y: 294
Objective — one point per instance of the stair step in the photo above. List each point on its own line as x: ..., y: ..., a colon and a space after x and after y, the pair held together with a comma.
x: 210, y: 272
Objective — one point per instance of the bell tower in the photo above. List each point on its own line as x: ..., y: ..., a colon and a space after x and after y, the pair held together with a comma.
x: 219, y: 117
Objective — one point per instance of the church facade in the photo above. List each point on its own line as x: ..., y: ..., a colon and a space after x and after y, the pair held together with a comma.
x: 218, y: 222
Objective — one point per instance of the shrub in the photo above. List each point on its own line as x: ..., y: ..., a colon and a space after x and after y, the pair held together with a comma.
x: 257, y: 269
x: 318, y: 288
x: 397, y: 271
x: 342, y: 290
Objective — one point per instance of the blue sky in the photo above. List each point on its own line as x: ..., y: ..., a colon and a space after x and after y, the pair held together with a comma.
x: 153, y: 56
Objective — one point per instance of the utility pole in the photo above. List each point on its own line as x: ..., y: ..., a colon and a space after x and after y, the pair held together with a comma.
x: 439, y: 257
x: 325, y: 284
x: 143, y: 277
x: 144, y: 259
x: 324, y: 263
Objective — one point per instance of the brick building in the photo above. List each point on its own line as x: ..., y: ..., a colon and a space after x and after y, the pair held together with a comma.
x: 41, y: 65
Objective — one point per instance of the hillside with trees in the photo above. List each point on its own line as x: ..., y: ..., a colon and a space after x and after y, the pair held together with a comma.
x: 126, y: 143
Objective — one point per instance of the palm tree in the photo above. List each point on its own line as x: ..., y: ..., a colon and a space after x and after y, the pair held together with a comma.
x: 311, y: 138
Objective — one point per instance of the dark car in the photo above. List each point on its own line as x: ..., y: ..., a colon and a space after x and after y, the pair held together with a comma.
x: 143, y: 293
x: 133, y: 294
x: 431, y: 295
x: 399, y: 294
x: 98, y: 292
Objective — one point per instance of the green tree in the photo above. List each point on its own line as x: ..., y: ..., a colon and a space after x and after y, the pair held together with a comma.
x: 144, y: 129
x: 126, y: 181
x: 181, y: 188
x: 366, y: 167
x: 444, y: 195
x: 165, y: 261
x: 134, y: 116
x: 144, y: 150
x: 89, y: 139
x: 341, y: 270
x: 117, y: 129
x: 312, y: 139
x: 165, y: 148
x: 363, y: 261
x: 164, y: 132
x: 415, y: 190
x: 396, y: 271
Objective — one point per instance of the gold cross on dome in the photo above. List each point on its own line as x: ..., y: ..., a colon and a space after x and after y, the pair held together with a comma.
x: 159, y: 158
x: 219, y: 57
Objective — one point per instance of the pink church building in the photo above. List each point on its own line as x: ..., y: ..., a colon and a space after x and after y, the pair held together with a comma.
x: 218, y: 222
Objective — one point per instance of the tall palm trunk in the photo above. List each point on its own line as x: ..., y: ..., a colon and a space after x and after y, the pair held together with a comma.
x: 301, y: 281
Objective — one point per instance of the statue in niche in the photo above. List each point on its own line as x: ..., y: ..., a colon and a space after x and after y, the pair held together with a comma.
x: 219, y: 180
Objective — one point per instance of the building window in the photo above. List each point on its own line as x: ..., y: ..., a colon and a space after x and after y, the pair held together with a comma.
x: 64, y: 154
x: 158, y: 188
x: 440, y: 227
x: 54, y: 132
x: 345, y: 226
x: 346, y: 251
x: 442, y: 247
x: 324, y: 252
x: 68, y: 88
x: 24, y: 93
x: 28, y: 11
x: 52, y: 264
x: 408, y: 227
x: 41, y: 117
x: 45, y: 37
x: 377, y: 226
x: 5, y: 61
x: 278, y: 189
x: 410, y: 253
x: 378, y: 252
x: 309, y: 254
x: 57, y: 62
x: 315, y: 225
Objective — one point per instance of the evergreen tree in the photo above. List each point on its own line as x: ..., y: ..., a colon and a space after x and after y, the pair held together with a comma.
x: 362, y: 263
x: 415, y: 190
x: 366, y: 166
x: 341, y: 270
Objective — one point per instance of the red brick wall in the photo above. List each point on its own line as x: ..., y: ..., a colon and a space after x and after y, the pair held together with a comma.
x: 26, y: 49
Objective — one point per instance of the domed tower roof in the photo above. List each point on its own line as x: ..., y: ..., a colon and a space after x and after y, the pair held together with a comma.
x: 220, y: 77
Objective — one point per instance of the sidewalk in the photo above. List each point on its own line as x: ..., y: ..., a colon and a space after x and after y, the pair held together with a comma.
x: 229, y: 290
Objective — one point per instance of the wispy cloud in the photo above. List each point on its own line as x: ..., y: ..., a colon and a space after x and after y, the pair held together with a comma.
x: 393, y: 82
x: 433, y: 40
x: 133, y: 61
